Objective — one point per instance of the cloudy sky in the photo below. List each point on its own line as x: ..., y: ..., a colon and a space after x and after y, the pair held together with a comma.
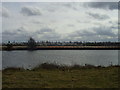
x: 60, y: 21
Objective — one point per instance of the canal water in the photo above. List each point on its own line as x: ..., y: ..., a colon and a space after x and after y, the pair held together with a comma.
x: 30, y: 59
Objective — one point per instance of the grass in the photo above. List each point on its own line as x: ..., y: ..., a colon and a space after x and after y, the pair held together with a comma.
x: 55, y: 76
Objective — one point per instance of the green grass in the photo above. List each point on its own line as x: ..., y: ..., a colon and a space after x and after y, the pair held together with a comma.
x: 59, y: 77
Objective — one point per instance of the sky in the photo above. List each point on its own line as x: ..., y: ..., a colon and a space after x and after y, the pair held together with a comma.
x: 60, y: 21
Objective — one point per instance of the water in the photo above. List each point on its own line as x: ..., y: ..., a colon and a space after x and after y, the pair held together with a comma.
x: 30, y: 59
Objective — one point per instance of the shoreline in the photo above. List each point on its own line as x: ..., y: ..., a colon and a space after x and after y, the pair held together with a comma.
x: 52, y: 66
x: 4, y: 48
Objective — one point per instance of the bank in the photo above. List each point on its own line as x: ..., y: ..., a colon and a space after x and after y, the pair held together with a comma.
x: 52, y: 76
x: 62, y: 48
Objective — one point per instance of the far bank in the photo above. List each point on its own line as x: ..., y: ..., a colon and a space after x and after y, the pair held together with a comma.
x: 62, y: 48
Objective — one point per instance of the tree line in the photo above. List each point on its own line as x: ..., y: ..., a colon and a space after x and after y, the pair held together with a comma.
x: 31, y: 43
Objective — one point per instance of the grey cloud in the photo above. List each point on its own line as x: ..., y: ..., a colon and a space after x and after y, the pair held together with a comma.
x: 82, y: 36
x: 5, y: 12
x: 79, y: 21
x: 52, y: 36
x: 114, y: 22
x: 6, y: 33
x: 106, y: 31
x: 37, y: 22
x: 83, y: 33
x: 70, y: 25
x: 44, y: 30
x: 18, y: 34
x: 21, y: 34
x: 98, y: 16
x: 87, y: 33
x: 18, y: 38
x: 58, y: 6
x: 30, y: 11
x: 21, y: 29
x: 67, y: 5
x: 48, y: 34
x: 51, y: 10
x: 94, y: 34
x: 102, y: 5
x: 70, y: 5
x: 114, y: 27
x: 12, y: 36
x: 73, y: 34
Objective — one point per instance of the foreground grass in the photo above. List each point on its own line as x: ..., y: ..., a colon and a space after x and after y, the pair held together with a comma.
x: 75, y: 77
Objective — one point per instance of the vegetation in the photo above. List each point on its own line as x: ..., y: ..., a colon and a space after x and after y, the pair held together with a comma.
x: 56, y: 76
x: 9, y: 46
x: 31, y: 44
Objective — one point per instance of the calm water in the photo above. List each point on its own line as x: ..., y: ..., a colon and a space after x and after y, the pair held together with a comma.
x: 29, y: 59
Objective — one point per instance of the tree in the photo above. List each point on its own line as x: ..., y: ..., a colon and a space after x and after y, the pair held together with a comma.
x: 31, y: 44
x: 9, y: 46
